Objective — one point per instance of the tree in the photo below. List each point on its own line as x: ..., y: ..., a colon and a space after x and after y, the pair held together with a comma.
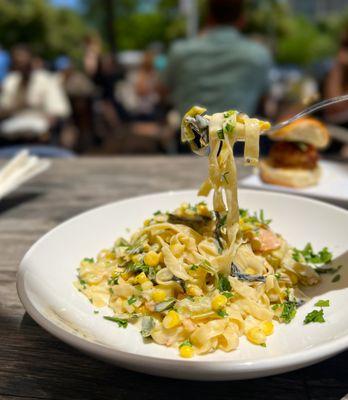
x: 134, y: 27
x: 48, y: 31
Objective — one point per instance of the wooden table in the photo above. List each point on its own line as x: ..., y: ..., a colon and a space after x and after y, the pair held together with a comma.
x: 35, y: 365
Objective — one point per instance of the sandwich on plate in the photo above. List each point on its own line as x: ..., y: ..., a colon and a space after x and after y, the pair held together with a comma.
x: 293, y: 159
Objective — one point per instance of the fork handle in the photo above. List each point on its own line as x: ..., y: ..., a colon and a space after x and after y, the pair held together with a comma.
x: 309, y: 110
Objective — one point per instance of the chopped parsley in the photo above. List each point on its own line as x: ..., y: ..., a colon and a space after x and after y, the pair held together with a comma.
x: 277, y: 276
x: 96, y: 312
x: 223, y: 284
x: 336, y: 278
x: 185, y: 343
x: 122, y: 323
x: 229, y: 113
x: 228, y: 128
x: 194, y: 267
x: 158, y: 212
x: 263, y: 345
x: 221, y: 313
x: 243, y: 212
x: 83, y: 283
x: 90, y: 260
x: 314, y: 316
x: 228, y: 295
x: 131, y: 300
x: 324, y: 256
x: 322, y: 303
x: 113, y: 281
x: 289, y: 311
x: 137, y: 267
x: 220, y: 134
x: 254, y: 219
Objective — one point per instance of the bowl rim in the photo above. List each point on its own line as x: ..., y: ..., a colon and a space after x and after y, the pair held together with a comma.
x: 286, y: 362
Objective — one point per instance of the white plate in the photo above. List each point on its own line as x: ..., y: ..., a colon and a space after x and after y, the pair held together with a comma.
x: 45, y: 288
x: 333, y: 184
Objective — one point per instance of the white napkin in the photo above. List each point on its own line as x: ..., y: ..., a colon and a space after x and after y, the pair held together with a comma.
x: 20, y: 169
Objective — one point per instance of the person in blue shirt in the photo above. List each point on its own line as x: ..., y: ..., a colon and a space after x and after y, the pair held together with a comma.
x: 221, y: 68
x: 4, y: 63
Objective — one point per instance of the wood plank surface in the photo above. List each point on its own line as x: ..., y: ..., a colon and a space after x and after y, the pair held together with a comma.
x: 35, y: 365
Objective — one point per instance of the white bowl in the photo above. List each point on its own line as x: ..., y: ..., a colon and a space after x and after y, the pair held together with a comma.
x: 48, y: 269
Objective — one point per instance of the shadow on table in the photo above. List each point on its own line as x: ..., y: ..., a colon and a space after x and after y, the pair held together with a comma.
x: 50, y: 369
x: 16, y: 200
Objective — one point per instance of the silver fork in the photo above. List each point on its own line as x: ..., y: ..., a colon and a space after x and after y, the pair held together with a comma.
x: 199, y: 124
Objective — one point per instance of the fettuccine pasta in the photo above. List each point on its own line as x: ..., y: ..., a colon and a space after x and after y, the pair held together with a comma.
x: 197, y: 278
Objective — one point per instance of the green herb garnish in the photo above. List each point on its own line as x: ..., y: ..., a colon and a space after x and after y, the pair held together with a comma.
x: 122, y: 323
x: 228, y: 128
x: 220, y: 134
x: 322, y: 303
x: 90, y: 260
x: 336, y: 278
x: 254, y: 219
x: 158, y: 212
x: 315, y: 316
x: 131, y: 300
x: 228, y: 295
x: 307, y: 255
x: 185, y: 343
x: 83, y: 283
x: 289, y: 311
x: 194, y: 267
x: 223, y: 284
x: 221, y: 313
x: 113, y: 281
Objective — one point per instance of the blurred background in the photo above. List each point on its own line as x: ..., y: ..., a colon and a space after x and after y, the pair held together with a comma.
x: 102, y: 77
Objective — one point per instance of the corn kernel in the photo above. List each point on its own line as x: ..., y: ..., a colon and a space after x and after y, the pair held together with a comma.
x: 171, y: 320
x: 267, y: 327
x: 193, y: 290
x: 202, y: 209
x: 186, y: 351
x: 110, y: 255
x: 255, y: 335
x: 125, y: 275
x: 136, y: 258
x: 146, y: 247
x: 152, y: 259
x: 141, y: 278
x: 147, y: 222
x: 184, y: 206
x: 218, y: 302
x: 158, y: 295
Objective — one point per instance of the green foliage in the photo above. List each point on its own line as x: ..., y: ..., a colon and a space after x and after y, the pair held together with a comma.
x: 138, y: 24
x: 49, y: 31
x: 303, y: 42
x: 295, y: 38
